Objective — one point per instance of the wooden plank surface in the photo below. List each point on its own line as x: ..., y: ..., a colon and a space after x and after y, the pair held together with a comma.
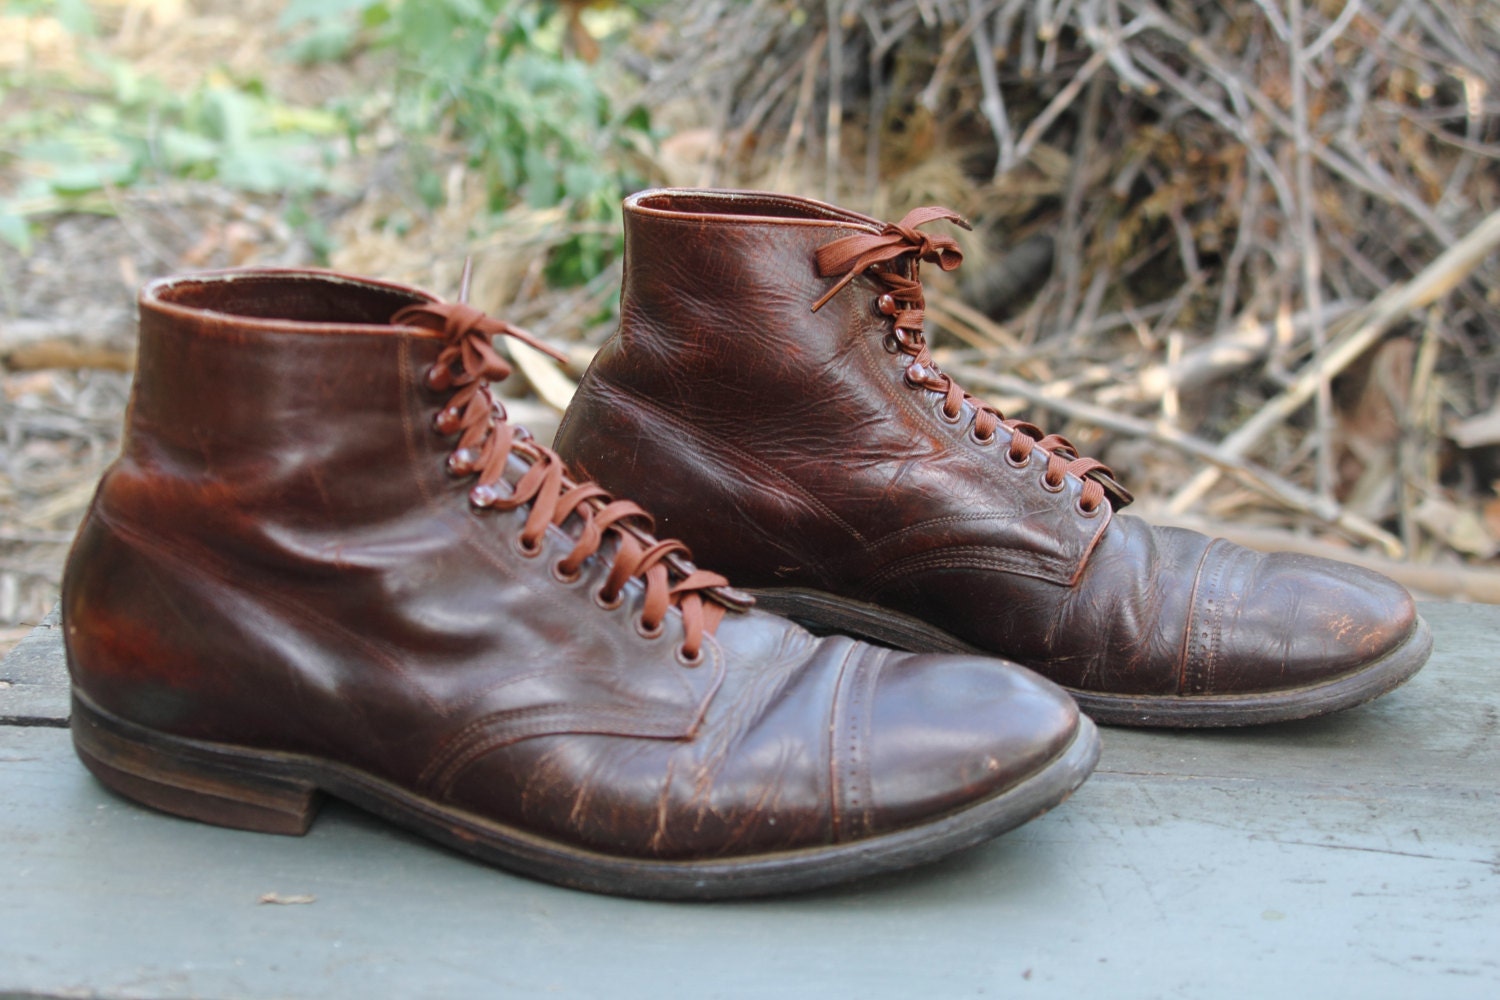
x: 1357, y: 855
x: 33, y: 680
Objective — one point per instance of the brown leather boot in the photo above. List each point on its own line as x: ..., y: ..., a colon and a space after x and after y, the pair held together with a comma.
x: 770, y: 397
x: 325, y: 562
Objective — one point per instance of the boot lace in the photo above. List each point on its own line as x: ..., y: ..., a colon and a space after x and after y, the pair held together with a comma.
x: 487, y: 440
x: 903, y: 301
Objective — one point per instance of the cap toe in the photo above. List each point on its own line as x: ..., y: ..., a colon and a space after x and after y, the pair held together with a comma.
x: 942, y: 732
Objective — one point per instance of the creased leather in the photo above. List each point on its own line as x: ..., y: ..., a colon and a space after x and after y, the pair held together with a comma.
x: 280, y: 560
x: 788, y: 448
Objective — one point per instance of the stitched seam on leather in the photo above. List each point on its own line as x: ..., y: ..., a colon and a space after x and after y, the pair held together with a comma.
x: 1204, y: 638
x: 902, y: 395
x: 966, y: 557
x: 629, y: 397
x: 530, y: 723
x: 403, y: 357
x: 460, y: 736
x: 715, y: 220
x: 859, y: 736
x: 943, y: 436
x: 936, y: 522
x: 835, y: 728
x: 204, y: 563
x: 853, y: 808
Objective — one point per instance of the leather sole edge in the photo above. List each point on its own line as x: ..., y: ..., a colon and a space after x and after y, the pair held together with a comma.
x: 272, y: 792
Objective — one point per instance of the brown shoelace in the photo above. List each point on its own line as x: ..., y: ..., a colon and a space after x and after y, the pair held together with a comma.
x: 487, y: 440
x: 903, y: 301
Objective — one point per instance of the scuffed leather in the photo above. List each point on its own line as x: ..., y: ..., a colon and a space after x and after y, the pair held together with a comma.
x: 787, y: 449
x: 278, y: 560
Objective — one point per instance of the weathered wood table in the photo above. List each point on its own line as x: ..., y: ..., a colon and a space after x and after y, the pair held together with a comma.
x: 1354, y: 856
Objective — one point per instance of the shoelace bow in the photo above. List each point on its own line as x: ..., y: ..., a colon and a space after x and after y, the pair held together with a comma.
x: 487, y: 440
x: 903, y: 301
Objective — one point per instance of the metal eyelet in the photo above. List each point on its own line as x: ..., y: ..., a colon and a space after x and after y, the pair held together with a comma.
x: 461, y: 462
x: 609, y: 604
x: 1011, y: 460
x: 649, y: 633
x: 446, y: 420
x: 886, y: 305
x: 563, y: 577
x: 1087, y: 511
x: 1052, y: 487
x: 689, y: 661
x: 438, y: 378
x: 983, y: 442
x: 891, y: 343
x: 528, y: 549
x: 482, y: 497
x: 942, y: 412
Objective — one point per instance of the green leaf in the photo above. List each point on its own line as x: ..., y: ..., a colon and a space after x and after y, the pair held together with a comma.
x: 81, y: 178
x: 321, y: 10
x: 228, y: 114
x: 181, y: 149
x: 15, y: 230
x: 76, y: 16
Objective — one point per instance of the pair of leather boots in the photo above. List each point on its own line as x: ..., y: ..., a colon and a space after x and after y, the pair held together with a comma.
x: 326, y: 563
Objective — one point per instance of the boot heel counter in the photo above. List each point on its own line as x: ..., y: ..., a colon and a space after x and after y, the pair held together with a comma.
x: 95, y: 562
x: 116, y: 600
x: 588, y: 452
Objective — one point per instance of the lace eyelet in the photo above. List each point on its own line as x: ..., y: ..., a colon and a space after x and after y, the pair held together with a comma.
x: 689, y: 661
x: 983, y: 442
x: 609, y: 603
x: 1087, y: 511
x: 438, y: 378
x: 891, y: 343
x: 528, y: 549
x: 563, y: 577
x: 1050, y: 486
x: 446, y: 420
x: 483, y: 497
x: 916, y: 374
x: 461, y: 462
x: 942, y: 412
x: 1015, y: 463
x: 649, y: 633
x: 886, y: 305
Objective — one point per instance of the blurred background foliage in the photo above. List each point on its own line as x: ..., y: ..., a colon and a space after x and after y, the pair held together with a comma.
x: 517, y: 86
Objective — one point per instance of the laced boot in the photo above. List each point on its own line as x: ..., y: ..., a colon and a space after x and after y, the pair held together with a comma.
x: 770, y: 397
x: 325, y: 562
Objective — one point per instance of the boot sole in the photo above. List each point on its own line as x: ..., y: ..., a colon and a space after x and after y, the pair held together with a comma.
x: 269, y: 792
x: 822, y: 612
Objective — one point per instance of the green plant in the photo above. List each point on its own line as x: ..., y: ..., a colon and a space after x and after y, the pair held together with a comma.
x: 102, y: 125
x: 535, y: 119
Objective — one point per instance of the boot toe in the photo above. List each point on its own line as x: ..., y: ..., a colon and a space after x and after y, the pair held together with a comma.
x: 1307, y: 621
x: 941, y: 733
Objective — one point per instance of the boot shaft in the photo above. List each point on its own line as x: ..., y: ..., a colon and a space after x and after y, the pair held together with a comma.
x: 726, y: 400
x: 276, y: 393
x: 282, y: 528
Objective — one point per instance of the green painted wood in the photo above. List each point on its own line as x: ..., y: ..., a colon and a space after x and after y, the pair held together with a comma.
x: 1352, y: 856
x: 34, y: 679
